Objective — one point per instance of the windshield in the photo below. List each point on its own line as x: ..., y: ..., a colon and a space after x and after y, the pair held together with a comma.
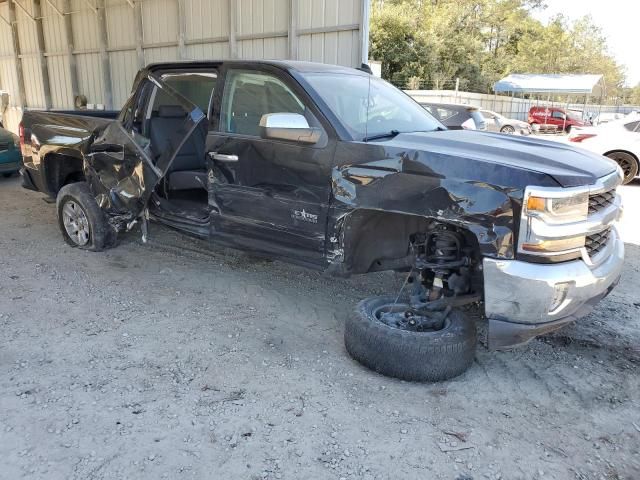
x: 369, y: 107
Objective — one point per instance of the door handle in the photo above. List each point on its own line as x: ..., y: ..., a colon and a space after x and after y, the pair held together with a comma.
x: 223, y: 157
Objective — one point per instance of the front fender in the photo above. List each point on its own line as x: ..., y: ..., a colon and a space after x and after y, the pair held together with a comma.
x: 485, y: 210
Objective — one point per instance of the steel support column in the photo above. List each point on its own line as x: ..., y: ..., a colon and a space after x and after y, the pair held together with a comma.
x: 364, y: 31
x: 293, y: 29
x: 137, y: 12
x: 71, y: 58
x: 22, y: 100
x: 101, y: 15
x: 233, y: 15
x: 182, y: 30
x: 42, y: 60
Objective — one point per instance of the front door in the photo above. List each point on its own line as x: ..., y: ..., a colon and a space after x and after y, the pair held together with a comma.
x: 268, y: 195
x: 122, y: 166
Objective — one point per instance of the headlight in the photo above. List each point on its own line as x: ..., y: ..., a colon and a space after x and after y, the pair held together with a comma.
x: 568, y: 209
x: 548, y: 218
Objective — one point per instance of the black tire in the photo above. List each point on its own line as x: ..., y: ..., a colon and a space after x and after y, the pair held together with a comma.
x: 409, y: 355
x: 628, y: 163
x: 7, y: 174
x: 100, y: 234
x: 567, y: 129
x: 508, y: 129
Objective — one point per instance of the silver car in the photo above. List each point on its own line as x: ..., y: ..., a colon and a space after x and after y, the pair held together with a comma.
x: 500, y: 123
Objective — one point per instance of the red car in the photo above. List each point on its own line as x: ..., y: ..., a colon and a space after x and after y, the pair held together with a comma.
x: 561, y: 118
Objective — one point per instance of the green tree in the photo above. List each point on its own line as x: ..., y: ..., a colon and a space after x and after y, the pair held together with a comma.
x: 480, y: 41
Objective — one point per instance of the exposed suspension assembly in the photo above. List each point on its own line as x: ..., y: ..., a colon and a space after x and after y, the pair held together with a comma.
x: 444, y: 261
x: 440, y: 279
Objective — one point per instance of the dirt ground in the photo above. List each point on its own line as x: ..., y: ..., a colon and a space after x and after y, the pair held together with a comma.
x: 168, y: 360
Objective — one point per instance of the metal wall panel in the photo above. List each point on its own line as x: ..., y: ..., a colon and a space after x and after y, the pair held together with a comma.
x: 263, y: 17
x: 208, y: 51
x: 55, y: 38
x: 124, y: 66
x: 326, y: 31
x: 86, y: 42
x: 8, y: 75
x: 28, y: 38
x: 33, y: 87
x: 61, y: 95
x: 84, y: 23
x: 339, y: 47
x: 160, y: 21
x: 121, y: 25
x: 160, y: 54
x: 206, y: 18
x: 90, y: 81
x: 267, y: 48
x: 26, y: 28
x: 55, y: 41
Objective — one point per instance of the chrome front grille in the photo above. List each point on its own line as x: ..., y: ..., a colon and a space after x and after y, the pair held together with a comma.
x: 596, y: 242
x: 600, y: 201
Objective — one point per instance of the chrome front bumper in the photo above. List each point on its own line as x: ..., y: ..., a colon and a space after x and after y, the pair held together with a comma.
x: 518, y: 295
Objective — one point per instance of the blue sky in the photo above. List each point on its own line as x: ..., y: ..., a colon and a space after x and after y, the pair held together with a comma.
x: 618, y: 20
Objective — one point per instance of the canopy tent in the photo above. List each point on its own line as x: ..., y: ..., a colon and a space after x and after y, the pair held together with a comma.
x: 560, y: 84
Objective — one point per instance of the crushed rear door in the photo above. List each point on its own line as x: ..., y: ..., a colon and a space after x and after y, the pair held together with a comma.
x: 122, y: 166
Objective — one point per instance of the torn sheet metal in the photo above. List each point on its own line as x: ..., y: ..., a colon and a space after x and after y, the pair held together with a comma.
x: 123, y: 167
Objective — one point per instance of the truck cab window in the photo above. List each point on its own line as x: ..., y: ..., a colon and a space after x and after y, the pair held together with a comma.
x: 249, y: 95
x: 198, y: 88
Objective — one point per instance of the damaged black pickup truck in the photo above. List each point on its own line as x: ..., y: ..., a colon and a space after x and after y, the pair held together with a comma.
x: 335, y: 169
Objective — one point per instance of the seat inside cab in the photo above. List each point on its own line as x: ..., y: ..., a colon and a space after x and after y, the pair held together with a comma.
x: 187, y: 175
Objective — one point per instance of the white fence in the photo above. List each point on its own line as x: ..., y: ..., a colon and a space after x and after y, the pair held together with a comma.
x: 511, y: 107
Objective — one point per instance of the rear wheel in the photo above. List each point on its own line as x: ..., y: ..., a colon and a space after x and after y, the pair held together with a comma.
x: 7, y: 174
x: 628, y: 163
x: 82, y: 223
x: 390, y: 337
x: 508, y: 129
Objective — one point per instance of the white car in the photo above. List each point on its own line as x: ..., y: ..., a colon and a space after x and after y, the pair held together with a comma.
x: 502, y: 124
x: 619, y: 140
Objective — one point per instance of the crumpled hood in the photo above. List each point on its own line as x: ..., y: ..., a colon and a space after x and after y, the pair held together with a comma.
x: 567, y: 165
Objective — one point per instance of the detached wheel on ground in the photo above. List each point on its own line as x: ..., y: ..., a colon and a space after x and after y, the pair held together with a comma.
x: 82, y: 222
x: 508, y: 129
x: 391, y: 339
x: 628, y: 163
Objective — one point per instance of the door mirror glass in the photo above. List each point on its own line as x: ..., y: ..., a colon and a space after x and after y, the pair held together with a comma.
x: 292, y: 127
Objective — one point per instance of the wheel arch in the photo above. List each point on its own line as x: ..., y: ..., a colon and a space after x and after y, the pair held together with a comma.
x: 372, y: 240
x: 62, y: 168
x: 622, y: 150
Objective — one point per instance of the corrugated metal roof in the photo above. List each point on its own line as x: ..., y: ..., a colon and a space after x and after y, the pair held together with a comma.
x: 549, y: 83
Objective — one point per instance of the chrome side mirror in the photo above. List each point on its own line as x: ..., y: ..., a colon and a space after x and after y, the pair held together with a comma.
x: 290, y: 127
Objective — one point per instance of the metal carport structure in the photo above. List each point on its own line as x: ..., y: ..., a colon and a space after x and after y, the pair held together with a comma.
x: 558, y: 84
x: 552, y: 84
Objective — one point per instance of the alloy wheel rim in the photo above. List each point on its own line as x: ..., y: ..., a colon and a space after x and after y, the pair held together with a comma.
x: 626, y: 166
x: 76, y: 223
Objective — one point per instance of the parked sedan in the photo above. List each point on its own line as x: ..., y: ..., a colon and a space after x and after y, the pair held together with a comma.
x: 10, y: 156
x: 619, y: 140
x: 502, y: 124
x: 455, y: 116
